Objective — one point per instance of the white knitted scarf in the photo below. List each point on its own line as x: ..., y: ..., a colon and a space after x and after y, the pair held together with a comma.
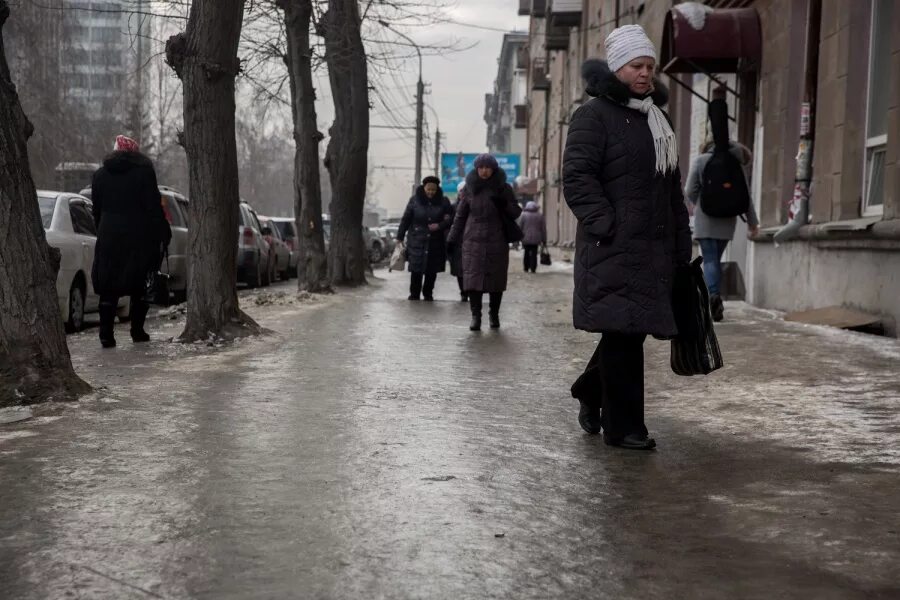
x: 664, y: 141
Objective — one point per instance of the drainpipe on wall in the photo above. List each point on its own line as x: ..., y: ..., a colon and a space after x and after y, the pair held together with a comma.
x: 544, y: 186
x: 799, y: 206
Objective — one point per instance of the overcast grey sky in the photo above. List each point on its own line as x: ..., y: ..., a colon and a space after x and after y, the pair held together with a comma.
x: 457, y: 83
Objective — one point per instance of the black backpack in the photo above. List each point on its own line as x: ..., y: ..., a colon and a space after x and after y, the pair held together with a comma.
x: 724, y: 190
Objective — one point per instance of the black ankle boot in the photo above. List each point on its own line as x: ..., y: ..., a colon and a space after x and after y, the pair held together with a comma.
x: 107, y: 325
x: 475, y: 325
x: 138, y: 317
x: 495, y: 320
x: 717, y: 307
x: 589, y: 417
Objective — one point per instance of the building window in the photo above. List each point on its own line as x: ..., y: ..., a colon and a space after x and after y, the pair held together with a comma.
x: 877, y: 107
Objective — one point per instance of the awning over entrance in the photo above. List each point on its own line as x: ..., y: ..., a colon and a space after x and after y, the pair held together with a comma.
x: 698, y: 39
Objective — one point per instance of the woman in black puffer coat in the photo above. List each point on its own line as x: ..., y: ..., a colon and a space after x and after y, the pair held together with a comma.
x: 621, y: 180
x: 132, y: 233
x: 424, y: 225
x: 478, y: 229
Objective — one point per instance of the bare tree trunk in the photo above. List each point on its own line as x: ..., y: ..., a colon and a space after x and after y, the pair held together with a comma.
x: 205, y: 58
x: 312, y: 269
x: 34, y: 360
x: 346, y: 156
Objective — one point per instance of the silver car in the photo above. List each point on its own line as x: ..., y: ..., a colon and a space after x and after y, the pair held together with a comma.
x: 255, y: 257
x: 176, y: 265
x: 70, y: 228
x: 282, y: 251
x: 288, y: 229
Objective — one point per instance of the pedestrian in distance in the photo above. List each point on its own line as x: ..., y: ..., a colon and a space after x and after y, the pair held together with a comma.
x: 424, y: 225
x: 132, y: 236
x: 455, y: 253
x: 621, y: 180
x: 479, y: 230
x: 534, y: 234
x: 709, y: 184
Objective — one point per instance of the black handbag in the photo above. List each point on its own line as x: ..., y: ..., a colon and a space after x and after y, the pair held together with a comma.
x: 695, y: 350
x: 511, y: 230
x: 545, y: 256
x: 157, y: 289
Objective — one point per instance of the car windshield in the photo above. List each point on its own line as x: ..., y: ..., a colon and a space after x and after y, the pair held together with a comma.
x: 286, y: 228
x: 48, y: 205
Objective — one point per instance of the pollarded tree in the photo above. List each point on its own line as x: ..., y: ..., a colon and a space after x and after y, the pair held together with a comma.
x: 205, y: 58
x: 312, y: 270
x: 348, y: 146
x: 34, y: 360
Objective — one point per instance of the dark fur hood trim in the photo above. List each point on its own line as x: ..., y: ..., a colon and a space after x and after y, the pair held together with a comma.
x: 600, y: 81
x: 420, y: 194
x: 119, y: 162
x: 475, y: 184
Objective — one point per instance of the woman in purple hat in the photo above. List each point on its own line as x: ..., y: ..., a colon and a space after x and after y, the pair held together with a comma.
x: 478, y: 228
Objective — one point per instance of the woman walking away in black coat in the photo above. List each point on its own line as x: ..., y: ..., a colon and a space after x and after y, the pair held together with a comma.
x: 424, y: 226
x: 132, y: 234
x: 455, y: 253
x: 621, y: 179
x: 478, y: 229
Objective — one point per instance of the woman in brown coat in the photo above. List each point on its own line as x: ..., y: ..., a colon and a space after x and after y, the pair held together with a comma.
x: 478, y: 228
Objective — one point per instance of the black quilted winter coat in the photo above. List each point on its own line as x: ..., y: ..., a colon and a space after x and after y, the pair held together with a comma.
x: 478, y: 228
x: 426, y: 250
x: 632, y: 221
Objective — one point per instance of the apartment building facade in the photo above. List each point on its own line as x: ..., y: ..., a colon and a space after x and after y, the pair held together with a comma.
x: 820, y: 114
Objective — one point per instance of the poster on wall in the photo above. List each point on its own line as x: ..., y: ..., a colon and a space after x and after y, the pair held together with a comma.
x: 455, y: 166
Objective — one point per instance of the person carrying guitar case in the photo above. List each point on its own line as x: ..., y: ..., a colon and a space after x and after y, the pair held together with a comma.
x: 717, y: 187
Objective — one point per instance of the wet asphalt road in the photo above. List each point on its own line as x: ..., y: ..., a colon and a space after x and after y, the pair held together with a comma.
x: 376, y: 448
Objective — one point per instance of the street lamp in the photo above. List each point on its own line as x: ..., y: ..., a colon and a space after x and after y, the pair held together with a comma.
x: 420, y: 100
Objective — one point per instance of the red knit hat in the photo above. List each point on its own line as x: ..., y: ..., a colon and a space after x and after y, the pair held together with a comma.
x: 126, y: 144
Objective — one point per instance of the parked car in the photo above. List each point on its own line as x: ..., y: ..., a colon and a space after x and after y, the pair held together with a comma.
x: 387, y: 236
x: 175, y: 207
x: 282, y: 251
x: 288, y: 229
x: 391, y: 229
x: 255, y: 257
x: 70, y: 228
x: 374, y: 245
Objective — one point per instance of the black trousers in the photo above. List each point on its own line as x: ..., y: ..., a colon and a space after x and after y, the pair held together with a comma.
x: 614, y: 379
x: 531, y: 257
x: 422, y: 283
x: 108, y: 307
x: 476, y: 302
x: 462, y: 290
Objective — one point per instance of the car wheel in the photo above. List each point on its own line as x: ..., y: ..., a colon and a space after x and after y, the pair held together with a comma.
x: 375, y: 253
x: 76, y: 308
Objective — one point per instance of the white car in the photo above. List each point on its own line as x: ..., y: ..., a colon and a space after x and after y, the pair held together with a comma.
x: 70, y: 228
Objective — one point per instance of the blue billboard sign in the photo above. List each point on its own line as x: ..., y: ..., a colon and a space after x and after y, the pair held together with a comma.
x: 455, y: 166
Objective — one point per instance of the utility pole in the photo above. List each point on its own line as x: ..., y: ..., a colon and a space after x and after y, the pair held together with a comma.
x: 420, y: 117
x: 437, y: 154
x: 420, y: 101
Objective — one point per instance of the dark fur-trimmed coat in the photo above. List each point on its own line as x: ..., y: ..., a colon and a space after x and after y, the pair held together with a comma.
x: 632, y: 221
x: 478, y: 230
x: 426, y: 250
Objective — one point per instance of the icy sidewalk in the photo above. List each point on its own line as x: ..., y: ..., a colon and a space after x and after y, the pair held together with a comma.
x: 374, y: 447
